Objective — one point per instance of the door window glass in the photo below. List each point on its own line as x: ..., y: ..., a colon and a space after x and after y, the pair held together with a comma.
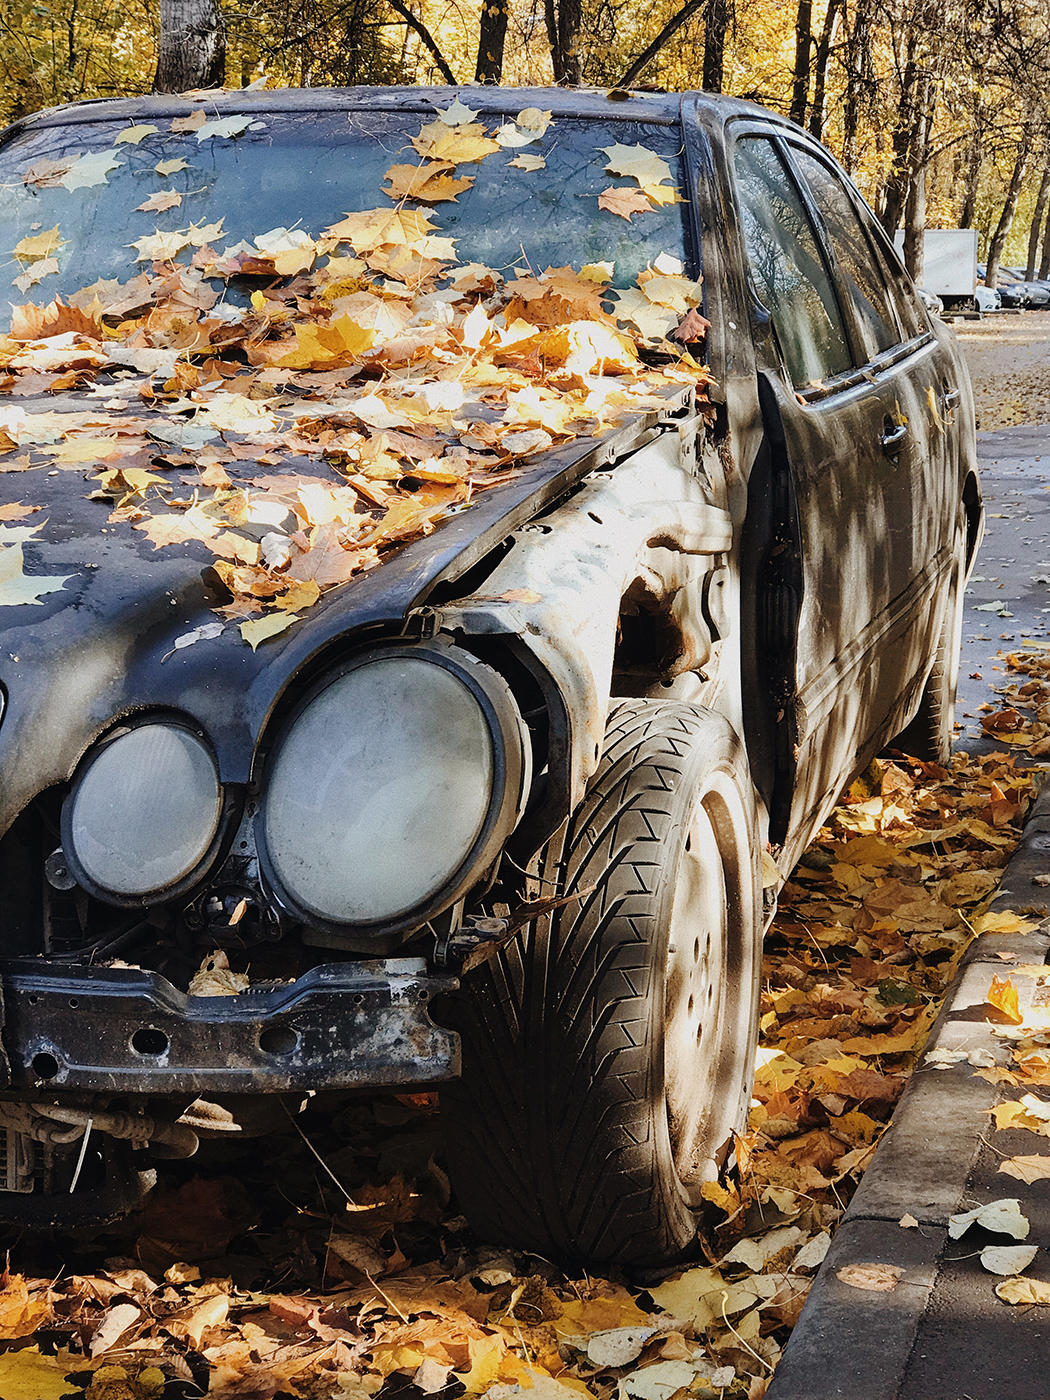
x: 861, y: 270
x: 787, y: 266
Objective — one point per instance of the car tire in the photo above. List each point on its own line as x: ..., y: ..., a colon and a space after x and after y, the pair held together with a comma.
x: 930, y: 734
x: 608, y: 1053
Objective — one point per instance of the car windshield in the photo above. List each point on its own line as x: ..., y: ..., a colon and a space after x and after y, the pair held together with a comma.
x: 534, y: 203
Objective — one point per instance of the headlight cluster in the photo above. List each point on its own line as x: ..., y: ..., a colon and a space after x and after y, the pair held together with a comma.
x: 144, y: 813
x: 387, y: 794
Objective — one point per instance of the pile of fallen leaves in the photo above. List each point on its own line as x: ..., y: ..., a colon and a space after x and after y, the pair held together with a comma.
x: 333, y: 1263
x: 365, y: 386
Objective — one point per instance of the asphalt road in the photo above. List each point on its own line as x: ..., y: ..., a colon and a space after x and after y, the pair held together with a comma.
x: 1012, y: 569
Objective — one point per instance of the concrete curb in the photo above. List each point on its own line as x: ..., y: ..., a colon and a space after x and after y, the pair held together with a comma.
x: 855, y: 1344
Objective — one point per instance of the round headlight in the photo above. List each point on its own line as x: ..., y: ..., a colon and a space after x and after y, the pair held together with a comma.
x: 392, y: 786
x: 144, y: 812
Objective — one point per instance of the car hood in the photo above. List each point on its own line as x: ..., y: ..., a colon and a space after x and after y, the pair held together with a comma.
x: 100, y: 641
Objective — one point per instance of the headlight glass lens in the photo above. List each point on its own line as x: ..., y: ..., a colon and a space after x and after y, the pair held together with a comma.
x: 146, y: 810
x: 379, y: 790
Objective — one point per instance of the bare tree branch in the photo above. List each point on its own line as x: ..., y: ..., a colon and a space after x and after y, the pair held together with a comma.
x: 428, y: 39
x: 645, y: 58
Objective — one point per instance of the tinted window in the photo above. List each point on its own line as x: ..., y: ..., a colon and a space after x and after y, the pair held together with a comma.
x: 860, y: 269
x: 787, y: 267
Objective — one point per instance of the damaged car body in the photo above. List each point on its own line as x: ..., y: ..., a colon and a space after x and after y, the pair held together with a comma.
x: 505, y: 814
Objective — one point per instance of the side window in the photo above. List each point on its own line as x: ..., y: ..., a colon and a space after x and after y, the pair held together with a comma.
x: 861, y: 270
x: 787, y: 266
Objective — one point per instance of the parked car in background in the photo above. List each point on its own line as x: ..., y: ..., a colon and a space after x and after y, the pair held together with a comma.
x: 987, y: 298
x: 462, y: 544
x: 1038, y: 292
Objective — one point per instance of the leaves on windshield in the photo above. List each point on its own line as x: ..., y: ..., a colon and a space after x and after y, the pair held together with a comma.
x: 371, y: 386
x: 89, y: 170
x: 159, y: 201
x: 651, y: 172
x: 132, y: 135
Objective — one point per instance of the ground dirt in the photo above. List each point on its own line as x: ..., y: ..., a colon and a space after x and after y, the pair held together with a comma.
x: 1009, y: 362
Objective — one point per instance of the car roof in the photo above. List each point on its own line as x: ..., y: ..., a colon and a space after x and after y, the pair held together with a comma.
x: 658, y: 108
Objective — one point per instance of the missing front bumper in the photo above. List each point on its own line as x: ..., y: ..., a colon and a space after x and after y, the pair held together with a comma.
x: 356, y: 1025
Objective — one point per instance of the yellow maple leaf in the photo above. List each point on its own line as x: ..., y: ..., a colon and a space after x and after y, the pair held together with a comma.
x: 1034, y: 1167
x: 456, y: 144
x: 26, y: 1375
x: 1002, y: 994
x: 300, y: 595
x: 373, y: 227
x: 76, y: 451
x: 341, y: 340
x: 428, y: 183
x: 40, y: 245
x: 260, y: 629
x: 20, y: 1314
x: 132, y: 135
x: 1021, y: 1291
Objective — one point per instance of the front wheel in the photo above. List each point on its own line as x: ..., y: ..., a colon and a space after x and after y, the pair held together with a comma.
x: 608, y: 1055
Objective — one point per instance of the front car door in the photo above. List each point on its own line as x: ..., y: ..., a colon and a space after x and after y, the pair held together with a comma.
x: 849, y: 597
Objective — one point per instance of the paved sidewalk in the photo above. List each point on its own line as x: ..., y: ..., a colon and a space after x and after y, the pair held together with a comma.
x: 941, y: 1334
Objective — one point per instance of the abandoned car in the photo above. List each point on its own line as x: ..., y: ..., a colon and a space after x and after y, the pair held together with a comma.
x: 434, y: 617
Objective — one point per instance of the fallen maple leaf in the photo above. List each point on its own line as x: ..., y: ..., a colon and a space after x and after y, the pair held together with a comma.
x: 455, y: 145
x: 159, y: 201
x: 1020, y: 1291
x: 428, y: 183
x: 874, y: 1278
x: 1002, y: 994
x: 260, y: 630
x: 624, y: 201
x: 132, y: 135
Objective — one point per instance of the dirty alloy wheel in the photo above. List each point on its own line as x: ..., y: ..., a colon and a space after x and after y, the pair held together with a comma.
x: 607, y: 1054
x: 930, y: 734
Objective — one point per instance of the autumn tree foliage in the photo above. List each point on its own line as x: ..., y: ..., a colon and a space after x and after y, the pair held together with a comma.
x: 938, y: 108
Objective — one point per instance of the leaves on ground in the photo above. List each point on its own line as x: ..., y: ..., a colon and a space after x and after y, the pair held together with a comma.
x: 873, y: 1278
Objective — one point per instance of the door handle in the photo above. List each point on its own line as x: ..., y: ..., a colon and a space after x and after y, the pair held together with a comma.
x: 893, y: 437
x: 951, y: 397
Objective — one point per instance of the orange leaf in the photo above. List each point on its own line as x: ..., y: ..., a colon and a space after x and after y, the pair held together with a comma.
x: 1003, y: 995
x: 31, y: 322
x: 622, y: 200
x: 428, y: 183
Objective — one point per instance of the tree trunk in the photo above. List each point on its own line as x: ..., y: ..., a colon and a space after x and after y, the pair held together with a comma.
x: 803, y: 45
x: 1037, y: 220
x: 192, y: 46
x: 1006, y: 218
x: 570, y: 24
x: 898, y: 185
x: 857, y: 61
x: 915, y: 226
x: 716, y: 22
x: 823, y: 62
x: 973, y: 175
x: 564, y: 21
x: 550, y: 20
x: 1044, y: 261
x: 492, y: 36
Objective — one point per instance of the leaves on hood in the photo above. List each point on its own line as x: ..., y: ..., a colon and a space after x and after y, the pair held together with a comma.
x: 406, y: 381
x: 16, y: 587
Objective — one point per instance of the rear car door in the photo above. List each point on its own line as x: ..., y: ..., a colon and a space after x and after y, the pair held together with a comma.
x: 853, y: 412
